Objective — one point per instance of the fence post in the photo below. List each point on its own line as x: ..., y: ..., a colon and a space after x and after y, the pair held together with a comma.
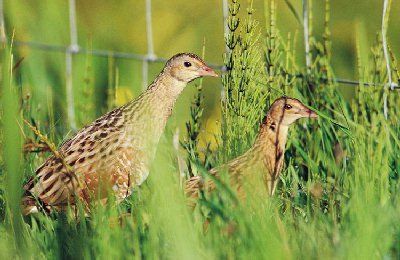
x: 225, y: 13
x: 70, y: 50
x: 225, y: 17
x: 385, y: 19
x: 150, y: 56
x: 306, y: 35
x: 2, y: 25
x: 73, y: 48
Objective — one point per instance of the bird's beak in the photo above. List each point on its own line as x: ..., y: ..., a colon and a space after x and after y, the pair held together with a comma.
x: 207, y: 71
x: 310, y: 114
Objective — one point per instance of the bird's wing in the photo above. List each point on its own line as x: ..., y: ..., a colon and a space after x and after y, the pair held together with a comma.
x: 53, y: 183
x: 56, y: 180
x: 192, y: 188
x: 111, y: 122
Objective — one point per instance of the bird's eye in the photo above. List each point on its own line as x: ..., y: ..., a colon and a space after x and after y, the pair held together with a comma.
x: 187, y: 64
x: 287, y: 106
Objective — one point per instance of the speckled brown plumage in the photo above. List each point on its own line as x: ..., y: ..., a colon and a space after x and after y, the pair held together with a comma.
x: 114, y: 152
x: 265, y: 156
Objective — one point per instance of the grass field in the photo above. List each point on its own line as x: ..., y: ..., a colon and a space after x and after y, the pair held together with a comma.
x: 338, y: 195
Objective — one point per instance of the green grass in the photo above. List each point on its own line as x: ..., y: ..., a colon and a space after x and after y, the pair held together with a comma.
x: 330, y: 203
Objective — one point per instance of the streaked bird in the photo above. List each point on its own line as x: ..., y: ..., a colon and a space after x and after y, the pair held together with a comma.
x: 113, y: 153
x: 265, y: 156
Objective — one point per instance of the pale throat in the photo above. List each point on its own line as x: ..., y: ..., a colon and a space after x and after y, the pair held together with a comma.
x: 168, y: 90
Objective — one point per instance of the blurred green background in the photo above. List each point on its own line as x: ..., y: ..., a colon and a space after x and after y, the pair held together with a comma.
x: 178, y: 26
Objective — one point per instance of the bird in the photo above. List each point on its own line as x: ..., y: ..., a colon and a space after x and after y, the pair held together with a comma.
x: 113, y: 153
x: 265, y: 156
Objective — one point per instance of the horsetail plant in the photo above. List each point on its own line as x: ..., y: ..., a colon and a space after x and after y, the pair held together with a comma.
x: 244, y: 99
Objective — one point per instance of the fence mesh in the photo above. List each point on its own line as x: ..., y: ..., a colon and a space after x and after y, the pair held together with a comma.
x: 74, y: 48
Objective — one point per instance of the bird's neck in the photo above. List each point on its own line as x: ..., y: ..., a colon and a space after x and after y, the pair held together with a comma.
x: 158, y: 100
x: 163, y: 94
x: 166, y: 87
x: 271, y: 141
x: 147, y: 115
x: 266, y: 155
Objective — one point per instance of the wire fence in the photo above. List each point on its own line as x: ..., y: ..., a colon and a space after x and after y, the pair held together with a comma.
x: 150, y: 57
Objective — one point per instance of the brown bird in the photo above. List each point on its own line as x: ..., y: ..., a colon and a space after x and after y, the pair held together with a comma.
x: 267, y: 153
x: 114, y: 152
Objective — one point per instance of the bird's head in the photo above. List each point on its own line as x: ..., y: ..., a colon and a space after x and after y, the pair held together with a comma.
x: 286, y: 111
x: 187, y: 67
